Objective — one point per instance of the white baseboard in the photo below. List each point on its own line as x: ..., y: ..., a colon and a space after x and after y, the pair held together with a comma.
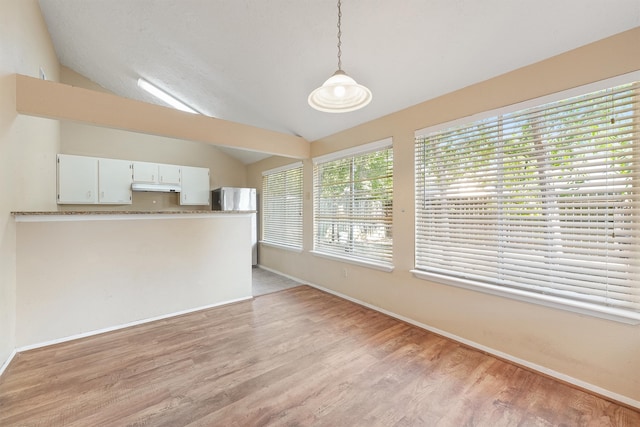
x: 532, y: 366
x: 6, y: 362
x: 124, y: 325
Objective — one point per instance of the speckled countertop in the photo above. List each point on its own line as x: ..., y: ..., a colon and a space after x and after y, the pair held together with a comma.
x: 185, y: 212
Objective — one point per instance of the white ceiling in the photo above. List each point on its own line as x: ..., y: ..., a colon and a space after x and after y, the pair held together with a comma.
x: 256, y: 61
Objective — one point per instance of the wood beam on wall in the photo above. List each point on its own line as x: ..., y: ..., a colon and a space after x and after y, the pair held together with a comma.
x: 43, y: 98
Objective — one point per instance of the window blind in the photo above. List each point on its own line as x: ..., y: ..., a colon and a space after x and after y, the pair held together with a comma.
x: 543, y: 200
x: 353, y: 201
x: 282, y: 206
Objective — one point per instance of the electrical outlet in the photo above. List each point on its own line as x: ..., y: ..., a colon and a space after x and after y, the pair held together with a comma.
x: 344, y: 273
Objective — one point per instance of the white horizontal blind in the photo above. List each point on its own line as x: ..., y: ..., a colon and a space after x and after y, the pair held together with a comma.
x: 353, y: 200
x: 282, y: 207
x: 543, y: 200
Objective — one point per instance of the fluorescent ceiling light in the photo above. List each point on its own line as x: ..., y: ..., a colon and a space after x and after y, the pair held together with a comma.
x: 159, y: 93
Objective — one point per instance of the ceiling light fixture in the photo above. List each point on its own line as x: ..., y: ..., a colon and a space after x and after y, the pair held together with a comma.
x: 160, y: 94
x: 340, y: 93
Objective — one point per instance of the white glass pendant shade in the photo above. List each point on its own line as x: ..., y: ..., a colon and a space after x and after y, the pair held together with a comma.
x: 339, y: 94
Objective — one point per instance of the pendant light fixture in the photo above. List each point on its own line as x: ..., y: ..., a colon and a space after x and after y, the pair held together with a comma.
x: 340, y: 93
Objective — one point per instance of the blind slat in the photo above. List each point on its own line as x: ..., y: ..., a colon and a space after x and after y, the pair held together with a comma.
x: 282, y: 207
x: 353, y: 199
x: 544, y: 199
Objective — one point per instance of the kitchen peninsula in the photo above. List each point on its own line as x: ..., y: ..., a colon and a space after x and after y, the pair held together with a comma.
x: 83, y: 272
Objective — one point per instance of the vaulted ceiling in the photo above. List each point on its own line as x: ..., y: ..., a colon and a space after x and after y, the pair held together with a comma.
x: 256, y: 61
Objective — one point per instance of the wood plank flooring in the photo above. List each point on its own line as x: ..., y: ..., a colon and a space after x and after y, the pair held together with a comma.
x: 298, y: 357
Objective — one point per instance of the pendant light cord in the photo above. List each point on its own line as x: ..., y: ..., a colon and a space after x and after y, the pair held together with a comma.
x: 339, y: 35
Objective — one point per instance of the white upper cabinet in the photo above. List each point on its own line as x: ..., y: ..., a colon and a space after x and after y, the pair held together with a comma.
x: 77, y: 179
x: 114, y: 181
x: 154, y: 173
x: 169, y: 174
x: 144, y: 172
x: 90, y: 180
x: 195, y: 186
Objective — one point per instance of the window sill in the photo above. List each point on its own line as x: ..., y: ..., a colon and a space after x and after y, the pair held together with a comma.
x: 278, y: 246
x: 579, y: 307
x: 388, y: 268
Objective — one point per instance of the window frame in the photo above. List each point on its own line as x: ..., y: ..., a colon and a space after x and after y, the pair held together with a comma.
x: 564, y: 303
x: 351, y: 153
x: 296, y: 245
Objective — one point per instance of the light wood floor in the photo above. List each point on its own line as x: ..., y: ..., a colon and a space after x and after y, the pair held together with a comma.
x: 297, y: 357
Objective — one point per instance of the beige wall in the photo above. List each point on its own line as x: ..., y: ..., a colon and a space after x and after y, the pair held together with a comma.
x: 27, y: 145
x: 86, y: 140
x: 94, y: 272
x: 61, y: 101
x: 599, y: 352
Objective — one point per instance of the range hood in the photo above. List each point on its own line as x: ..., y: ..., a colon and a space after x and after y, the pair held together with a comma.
x: 161, y: 188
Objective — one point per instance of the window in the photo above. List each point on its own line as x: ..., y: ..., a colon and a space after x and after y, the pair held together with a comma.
x: 353, y: 200
x: 282, y: 206
x: 540, y: 204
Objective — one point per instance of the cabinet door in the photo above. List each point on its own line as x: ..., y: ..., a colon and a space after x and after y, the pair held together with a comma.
x: 195, y: 186
x: 114, y: 181
x: 169, y: 174
x: 145, y: 172
x: 77, y: 180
